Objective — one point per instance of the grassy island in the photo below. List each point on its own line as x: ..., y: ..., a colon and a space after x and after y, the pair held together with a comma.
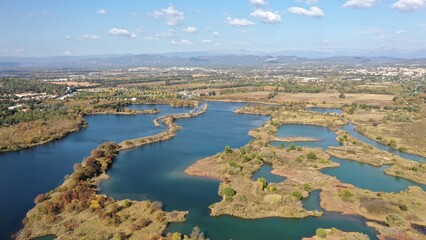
x: 392, y: 214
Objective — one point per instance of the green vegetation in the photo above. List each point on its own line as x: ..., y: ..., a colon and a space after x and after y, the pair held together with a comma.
x: 228, y: 149
x: 345, y: 194
x: 262, y: 183
x: 307, y: 187
x: 311, y: 156
x: 297, y: 195
x: 14, y: 86
x: 75, y: 210
x: 321, y: 233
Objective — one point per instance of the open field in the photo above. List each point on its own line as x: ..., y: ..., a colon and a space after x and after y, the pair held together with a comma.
x: 407, y: 136
x: 328, y: 98
x: 30, y: 134
x: 76, y: 84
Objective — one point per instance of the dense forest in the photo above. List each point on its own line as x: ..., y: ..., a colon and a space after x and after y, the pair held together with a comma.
x: 14, y: 86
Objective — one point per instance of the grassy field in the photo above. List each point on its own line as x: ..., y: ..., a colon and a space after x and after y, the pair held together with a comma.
x: 406, y: 136
x: 29, y: 134
x: 324, y: 97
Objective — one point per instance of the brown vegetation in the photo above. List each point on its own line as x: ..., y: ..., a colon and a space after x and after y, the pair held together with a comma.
x: 33, y: 133
x: 75, y: 210
x: 353, y: 149
x: 336, y: 234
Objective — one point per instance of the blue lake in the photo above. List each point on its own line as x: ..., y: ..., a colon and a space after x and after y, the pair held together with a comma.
x: 359, y: 174
x: 156, y: 172
x: 26, y: 173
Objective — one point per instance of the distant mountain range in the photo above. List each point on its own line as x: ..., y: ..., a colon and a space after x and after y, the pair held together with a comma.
x: 220, y: 59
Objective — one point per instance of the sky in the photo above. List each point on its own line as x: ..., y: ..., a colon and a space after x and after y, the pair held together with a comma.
x: 92, y: 27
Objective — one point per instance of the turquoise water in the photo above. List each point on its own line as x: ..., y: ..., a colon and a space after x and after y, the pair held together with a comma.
x: 351, y: 129
x: 156, y: 172
x: 325, y: 110
x: 358, y: 174
x: 265, y: 172
x: 326, y: 137
x: 26, y: 173
x: 368, y: 177
x: 313, y: 201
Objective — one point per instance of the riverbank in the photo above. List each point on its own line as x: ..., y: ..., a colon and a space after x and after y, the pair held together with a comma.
x: 355, y: 150
x: 76, y: 210
x: 36, y: 133
x: 170, y: 132
x: 392, y: 214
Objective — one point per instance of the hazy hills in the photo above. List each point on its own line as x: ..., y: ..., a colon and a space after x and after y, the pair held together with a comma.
x: 218, y: 59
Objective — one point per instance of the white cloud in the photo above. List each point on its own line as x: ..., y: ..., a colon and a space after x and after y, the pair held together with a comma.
x: 409, y: 5
x: 206, y: 41
x: 90, y: 37
x: 168, y: 33
x: 101, y: 11
x: 182, y: 42
x: 266, y: 16
x: 68, y: 37
x: 121, y: 33
x: 257, y: 2
x: 151, y: 38
x: 401, y: 31
x: 359, y: 3
x: 67, y: 53
x: 19, y: 50
x: 309, y: 2
x: 190, y: 30
x: 215, y: 34
x: 239, y: 22
x: 173, y: 17
x: 312, y: 12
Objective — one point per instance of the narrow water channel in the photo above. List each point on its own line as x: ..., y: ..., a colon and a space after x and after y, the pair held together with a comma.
x: 352, y: 131
x: 358, y: 174
x: 26, y: 173
x: 156, y: 172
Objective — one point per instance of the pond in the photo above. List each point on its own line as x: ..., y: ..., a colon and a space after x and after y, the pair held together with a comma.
x: 265, y: 172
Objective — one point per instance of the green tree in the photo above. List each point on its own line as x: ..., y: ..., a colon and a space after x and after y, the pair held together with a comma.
x: 297, y: 195
x: 228, y: 149
x: 312, y: 156
x: 321, y: 233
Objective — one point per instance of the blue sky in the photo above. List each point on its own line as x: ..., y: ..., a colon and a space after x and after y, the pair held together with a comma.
x: 82, y: 27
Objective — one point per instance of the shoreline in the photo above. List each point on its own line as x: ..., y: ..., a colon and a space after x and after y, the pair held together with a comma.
x: 84, y: 124
x: 95, y: 181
